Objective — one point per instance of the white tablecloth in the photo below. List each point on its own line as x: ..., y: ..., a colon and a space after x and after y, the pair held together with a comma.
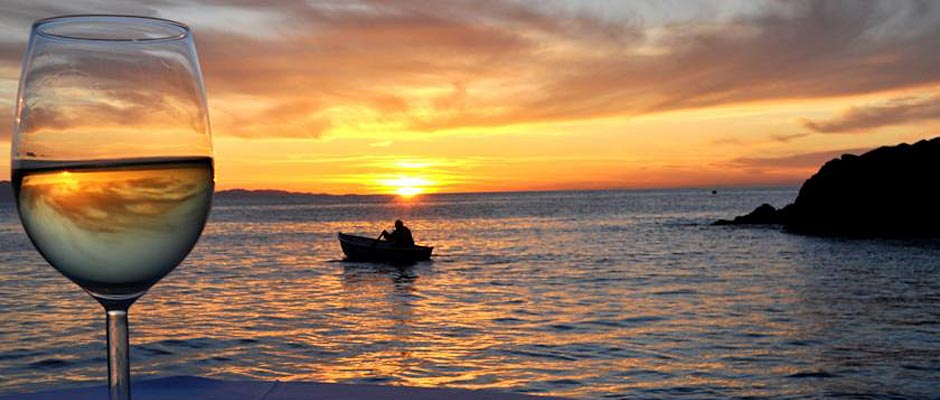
x: 194, y: 388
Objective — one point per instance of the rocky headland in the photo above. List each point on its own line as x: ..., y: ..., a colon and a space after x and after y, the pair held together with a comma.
x: 887, y: 192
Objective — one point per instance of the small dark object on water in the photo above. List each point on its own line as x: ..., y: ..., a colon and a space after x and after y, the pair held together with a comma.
x: 360, y: 248
x: 714, y: 192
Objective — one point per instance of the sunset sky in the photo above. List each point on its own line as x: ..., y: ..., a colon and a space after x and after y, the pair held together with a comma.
x: 455, y: 96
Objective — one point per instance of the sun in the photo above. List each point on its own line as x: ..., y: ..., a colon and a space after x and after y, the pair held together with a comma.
x: 409, y: 191
x: 406, y: 186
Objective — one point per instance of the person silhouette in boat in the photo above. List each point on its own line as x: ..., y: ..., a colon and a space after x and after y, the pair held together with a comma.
x: 400, y: 237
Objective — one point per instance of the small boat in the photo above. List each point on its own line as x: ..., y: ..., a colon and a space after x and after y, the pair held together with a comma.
x: 360, y: 248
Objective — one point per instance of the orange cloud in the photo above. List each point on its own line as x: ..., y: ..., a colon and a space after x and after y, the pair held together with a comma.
x: 802, y: 161
x: 6, y: 114
x: 894, y: 111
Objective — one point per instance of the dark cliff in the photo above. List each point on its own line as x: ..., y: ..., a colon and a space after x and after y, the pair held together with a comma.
x: 889, y: 191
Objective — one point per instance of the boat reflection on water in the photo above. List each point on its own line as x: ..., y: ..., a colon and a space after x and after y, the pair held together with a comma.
x: 387, y: 286
x: 382, y: 298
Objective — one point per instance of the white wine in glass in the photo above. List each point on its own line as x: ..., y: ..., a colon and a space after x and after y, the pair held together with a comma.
x: 112, y: 158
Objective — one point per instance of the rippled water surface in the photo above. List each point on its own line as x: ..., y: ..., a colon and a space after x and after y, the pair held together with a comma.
x: 584, y: 294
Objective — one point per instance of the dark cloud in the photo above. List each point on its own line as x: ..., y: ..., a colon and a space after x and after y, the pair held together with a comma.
x: 11, y: 53
x: 892, y: 112
x: 795, y: 49
x: 786, y: 138
x: 797, y: 161
x: 17, y: 16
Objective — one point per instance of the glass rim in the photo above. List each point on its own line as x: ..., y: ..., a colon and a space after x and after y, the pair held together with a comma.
x: 182, y: 30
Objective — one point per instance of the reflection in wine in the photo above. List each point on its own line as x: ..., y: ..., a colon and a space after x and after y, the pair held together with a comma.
x: 115, y: 228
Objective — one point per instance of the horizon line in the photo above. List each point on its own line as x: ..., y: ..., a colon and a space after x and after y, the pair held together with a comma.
x: 613, y: 189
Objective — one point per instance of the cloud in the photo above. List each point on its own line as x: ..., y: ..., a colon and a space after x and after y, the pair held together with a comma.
x: 6, y: 116
x: 727, y: 141
x: 416, y: 65
x: 11, y: 53
x: 811, y: 160
x: 895, y: 111
x: 17, y: 16
x: 792, y: 50
x: 786, y: 138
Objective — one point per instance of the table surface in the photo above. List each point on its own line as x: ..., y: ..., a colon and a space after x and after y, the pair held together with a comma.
x: 190, y: 387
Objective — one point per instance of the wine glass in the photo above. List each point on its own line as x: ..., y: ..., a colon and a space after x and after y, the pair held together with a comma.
x: 112, y: 158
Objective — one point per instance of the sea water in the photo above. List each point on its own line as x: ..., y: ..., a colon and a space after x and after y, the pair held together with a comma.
x: 593, y: 295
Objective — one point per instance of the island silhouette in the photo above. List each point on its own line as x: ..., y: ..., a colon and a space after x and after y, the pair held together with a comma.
x: 887, y: 192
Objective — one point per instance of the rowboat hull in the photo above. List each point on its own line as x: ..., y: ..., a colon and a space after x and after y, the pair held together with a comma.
x: 359, y: 248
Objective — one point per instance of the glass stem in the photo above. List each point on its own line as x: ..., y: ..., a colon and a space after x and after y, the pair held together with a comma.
x: 119, y: 374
